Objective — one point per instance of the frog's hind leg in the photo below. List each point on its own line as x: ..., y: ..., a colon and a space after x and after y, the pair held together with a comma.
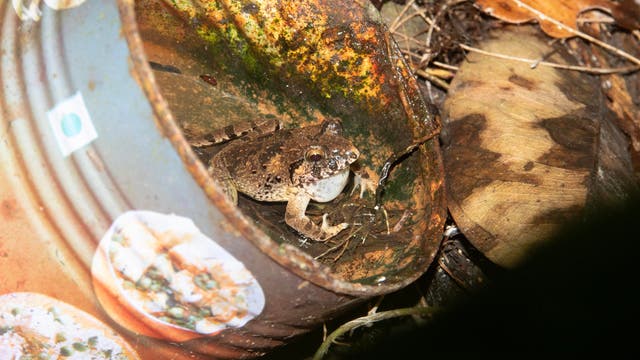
x: 296, y: 218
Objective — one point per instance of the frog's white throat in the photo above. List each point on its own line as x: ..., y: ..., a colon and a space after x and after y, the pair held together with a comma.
x: 327, y: 189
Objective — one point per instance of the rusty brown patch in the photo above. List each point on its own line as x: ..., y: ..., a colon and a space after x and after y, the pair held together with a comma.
x: 505, y: 6
x: 528, y: 166
x: 8, y: 209
x: 575, y: 139
x: 522, y: 82
x: 471, y: 166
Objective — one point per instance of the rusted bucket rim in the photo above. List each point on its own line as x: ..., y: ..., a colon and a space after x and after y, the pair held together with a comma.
x: 286, y: 255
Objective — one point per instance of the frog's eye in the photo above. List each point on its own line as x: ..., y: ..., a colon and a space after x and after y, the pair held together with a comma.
x: 314, y: 154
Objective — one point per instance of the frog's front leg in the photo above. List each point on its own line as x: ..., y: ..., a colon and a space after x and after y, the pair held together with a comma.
x: 365, y: 179
x: 296, y: 218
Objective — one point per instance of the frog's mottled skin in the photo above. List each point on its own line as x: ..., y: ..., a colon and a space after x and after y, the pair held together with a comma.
x: 293, y: 166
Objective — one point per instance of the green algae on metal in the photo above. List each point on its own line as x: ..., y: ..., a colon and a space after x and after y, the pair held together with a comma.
x: 337, y: 47
x: 335, y: 58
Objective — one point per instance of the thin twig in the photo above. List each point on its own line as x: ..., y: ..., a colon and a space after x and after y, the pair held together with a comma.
x: 536, y: 62
x: 407, y: 38
x: 445, y: 66
x: 422, y: 13
x: 391, y: 163
x: 578, y: 33
x: 394, y: 25
x: 418, y: 13
x: 366, y: 320
x: 437, y: 81
x: 344, y: 248
x: 445, y: 6
x: 333, y: 248
x: 374, y: 308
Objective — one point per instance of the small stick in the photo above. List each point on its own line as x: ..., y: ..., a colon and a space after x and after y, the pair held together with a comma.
x: 398, y: 20
x: 591, y: 70
x: 391, y: 161
x: 366, y: 320
x: 442, y: 84
x: 445, y: 66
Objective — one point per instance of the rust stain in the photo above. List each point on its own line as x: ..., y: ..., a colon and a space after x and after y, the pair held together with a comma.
x: 8, y: 209
x: 20, y: 284
x: 505, y: 6
x: 522, y: 82
x: 528, y: 166
x: 3, y: 251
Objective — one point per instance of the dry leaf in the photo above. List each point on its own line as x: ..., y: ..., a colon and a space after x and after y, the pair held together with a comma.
x: 526, y: 150
x: 626, y: 13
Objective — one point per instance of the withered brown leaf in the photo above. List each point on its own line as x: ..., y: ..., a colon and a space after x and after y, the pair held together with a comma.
x: 626, y: 13
x: 527, y: 150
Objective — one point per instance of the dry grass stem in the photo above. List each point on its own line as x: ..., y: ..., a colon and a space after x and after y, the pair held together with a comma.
x: 429, y: 21
x: 368, y: 320
x: 536, y: 62
x: 445, y: 66
x: 432, y: 27
x: 433, y: 79
x: 400, y: 18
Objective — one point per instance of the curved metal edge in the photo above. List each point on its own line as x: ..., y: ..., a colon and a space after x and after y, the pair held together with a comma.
x: 286, y: 255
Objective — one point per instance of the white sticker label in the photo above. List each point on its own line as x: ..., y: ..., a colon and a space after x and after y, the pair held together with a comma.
x: 71, y: 124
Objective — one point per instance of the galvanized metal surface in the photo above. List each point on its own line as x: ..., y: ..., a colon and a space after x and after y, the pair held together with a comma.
x: 55, y: 209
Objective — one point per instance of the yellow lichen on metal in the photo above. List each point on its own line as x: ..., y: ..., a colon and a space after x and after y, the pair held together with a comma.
x: 329, y: 44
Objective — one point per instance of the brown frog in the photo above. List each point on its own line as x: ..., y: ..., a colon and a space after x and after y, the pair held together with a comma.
x: 290, y: 165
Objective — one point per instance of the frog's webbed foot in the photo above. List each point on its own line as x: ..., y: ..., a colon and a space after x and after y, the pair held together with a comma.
x: 365, y: 179
x: 331, y: 230
x: 296, y: 218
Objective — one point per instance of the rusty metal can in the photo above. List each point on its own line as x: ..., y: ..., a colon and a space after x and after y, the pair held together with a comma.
x: 85, y: 137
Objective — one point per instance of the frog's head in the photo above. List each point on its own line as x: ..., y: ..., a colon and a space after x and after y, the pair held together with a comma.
x: 323, y: 169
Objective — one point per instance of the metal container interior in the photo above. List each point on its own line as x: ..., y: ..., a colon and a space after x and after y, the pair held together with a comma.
x: 292, y: 257
x: 55, y: 209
